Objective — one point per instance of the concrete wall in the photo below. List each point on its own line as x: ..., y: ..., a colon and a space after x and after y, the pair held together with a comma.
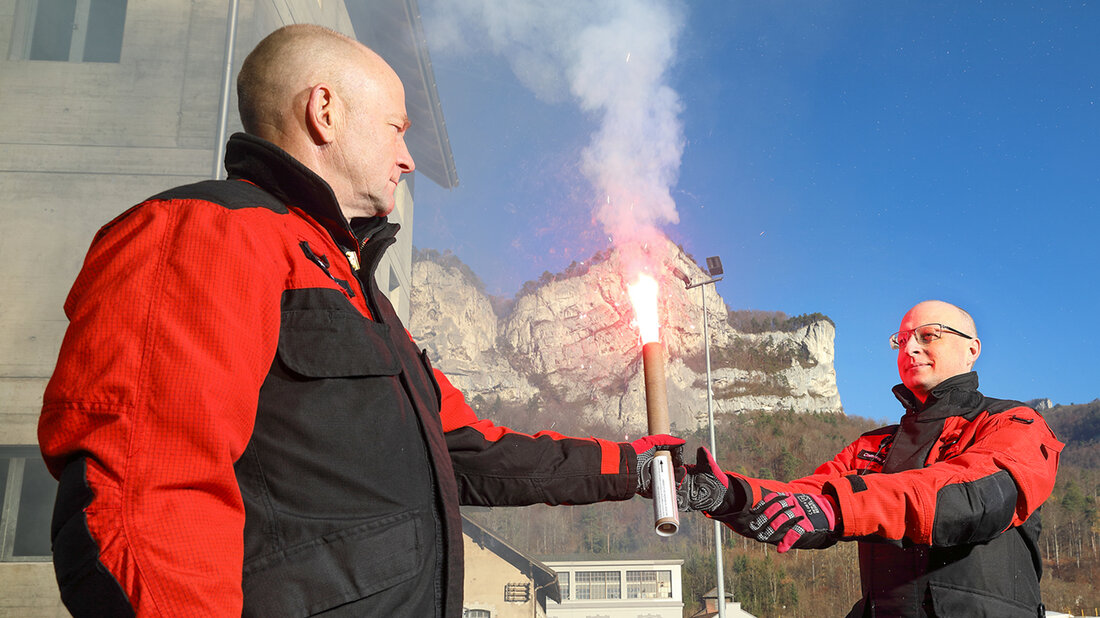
x: 28, y: 590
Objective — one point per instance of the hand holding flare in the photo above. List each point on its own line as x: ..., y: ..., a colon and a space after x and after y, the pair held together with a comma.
x: 643, y: 295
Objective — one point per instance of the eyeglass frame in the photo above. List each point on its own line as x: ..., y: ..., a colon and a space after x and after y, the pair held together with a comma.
x: 896, y: 343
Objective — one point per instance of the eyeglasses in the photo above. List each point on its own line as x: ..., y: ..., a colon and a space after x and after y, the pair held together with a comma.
x: 926, y: 334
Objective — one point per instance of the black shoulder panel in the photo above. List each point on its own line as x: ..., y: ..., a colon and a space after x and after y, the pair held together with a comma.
x: 996, y: 406
x: 232, y: 194
x: 887, y: 430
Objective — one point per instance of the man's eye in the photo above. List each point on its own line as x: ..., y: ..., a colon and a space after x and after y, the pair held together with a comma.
x: 927, y: 336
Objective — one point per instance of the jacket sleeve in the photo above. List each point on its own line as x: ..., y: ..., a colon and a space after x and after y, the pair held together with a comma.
x: 1003, y: 474
x: 745, y: 491
x: 495, y: 466
x: 173, y: 325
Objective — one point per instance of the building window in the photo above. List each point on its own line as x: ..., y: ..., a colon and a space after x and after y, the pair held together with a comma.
x: 563, y: 584
x: 597, y: 585
x: 395, y: 282
x: 649, y: 584
x: 477, y: 613
x: 27, y: 491
x: 69, y: 30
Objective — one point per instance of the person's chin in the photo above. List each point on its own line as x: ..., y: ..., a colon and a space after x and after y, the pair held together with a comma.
x: 916, y: 377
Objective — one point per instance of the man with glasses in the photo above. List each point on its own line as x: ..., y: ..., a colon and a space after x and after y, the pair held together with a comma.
x: 944, y: 505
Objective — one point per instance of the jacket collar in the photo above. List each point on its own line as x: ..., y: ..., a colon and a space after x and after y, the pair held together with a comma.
x: 953, y: 396
x: 264, y: 164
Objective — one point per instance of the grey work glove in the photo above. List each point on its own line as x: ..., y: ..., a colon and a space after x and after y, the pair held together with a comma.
x: 705, y: 485
x: 646, y: 448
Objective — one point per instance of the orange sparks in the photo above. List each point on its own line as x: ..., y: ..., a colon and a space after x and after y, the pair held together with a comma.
x: 643, y: 295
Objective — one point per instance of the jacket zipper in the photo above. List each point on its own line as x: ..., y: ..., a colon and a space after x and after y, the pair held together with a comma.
x: 356, y: 266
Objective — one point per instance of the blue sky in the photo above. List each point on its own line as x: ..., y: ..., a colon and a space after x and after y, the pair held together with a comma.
x: 848, y: 158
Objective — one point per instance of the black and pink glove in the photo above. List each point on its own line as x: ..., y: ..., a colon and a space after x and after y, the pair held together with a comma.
x: 794, y: 521
x: 646, y: 448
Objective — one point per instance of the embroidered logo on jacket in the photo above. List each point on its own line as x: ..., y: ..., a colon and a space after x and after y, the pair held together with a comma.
x: 877, y: 457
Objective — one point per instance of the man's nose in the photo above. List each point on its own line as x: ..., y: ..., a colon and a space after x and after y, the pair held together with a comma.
x: 404, y: 158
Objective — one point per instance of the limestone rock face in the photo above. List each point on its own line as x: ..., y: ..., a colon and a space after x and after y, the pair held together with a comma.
x: 573, y: 339
x: 455, y: 322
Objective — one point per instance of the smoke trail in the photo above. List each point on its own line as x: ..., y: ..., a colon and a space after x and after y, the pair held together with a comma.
x: 612, y: 58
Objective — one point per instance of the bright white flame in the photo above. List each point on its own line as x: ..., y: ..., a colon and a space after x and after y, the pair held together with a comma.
x: 643, y: 295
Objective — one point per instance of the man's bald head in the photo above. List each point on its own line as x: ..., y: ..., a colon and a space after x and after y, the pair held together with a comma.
x: 923, y: 365
x: 959, y: 318
x: 336, y: 107
x: 276, y: 77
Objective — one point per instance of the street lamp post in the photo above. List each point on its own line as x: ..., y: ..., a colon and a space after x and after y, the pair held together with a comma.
x: 714, y: 269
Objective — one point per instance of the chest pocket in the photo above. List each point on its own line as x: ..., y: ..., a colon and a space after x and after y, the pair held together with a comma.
x: 331, y: 343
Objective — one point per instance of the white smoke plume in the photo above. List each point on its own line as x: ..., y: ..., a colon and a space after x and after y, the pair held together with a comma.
x: 611, y: 57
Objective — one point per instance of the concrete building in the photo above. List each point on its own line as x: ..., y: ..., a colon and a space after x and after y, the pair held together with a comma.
x: 501, y: 581
x: 107, y: 102
x: 634, y: 588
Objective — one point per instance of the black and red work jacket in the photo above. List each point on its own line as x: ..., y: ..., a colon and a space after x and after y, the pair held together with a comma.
x: 242, y: 425
x: 945, y: 505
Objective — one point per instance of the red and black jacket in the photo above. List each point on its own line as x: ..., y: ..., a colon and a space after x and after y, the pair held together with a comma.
x: 241, y: 423
x: 945, y: 505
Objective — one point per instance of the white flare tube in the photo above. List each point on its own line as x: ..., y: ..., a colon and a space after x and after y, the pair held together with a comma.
x: 666, y: 517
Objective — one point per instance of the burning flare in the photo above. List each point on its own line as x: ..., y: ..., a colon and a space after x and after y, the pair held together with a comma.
x: 643, y: 295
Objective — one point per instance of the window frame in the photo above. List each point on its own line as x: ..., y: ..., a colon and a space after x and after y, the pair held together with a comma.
x: 563, y: 584
x: 16, y: 457
x: 646, y: 583
x: 609, y: 580
x: 22, y: 35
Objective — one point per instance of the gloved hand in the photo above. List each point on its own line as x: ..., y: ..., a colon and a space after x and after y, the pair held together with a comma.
x: 646, y: 448
x: 705, y: 484
x: 789, y: 520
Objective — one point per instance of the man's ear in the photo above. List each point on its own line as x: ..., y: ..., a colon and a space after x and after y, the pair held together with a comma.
x: 974, y: 350
x: 321, y: 114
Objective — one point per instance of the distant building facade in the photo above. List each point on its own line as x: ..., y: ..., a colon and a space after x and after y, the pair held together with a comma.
x: 108, y: 102
x: 618, y: 588
x: 501, y: 581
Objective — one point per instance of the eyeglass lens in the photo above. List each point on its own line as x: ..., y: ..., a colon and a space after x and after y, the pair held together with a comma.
x: 926, y: 334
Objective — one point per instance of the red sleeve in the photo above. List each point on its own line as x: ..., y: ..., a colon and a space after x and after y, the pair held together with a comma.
x: 857, y: 457
x: 1004, y: 471
x: 496, y: 466
x: 845, y: 462
x: 173, y: 325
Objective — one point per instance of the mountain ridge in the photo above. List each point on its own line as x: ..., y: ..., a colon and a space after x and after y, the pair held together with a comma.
x: 569, y: 339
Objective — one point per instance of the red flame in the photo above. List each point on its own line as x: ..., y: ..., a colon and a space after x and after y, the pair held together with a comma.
x: 643, y: 295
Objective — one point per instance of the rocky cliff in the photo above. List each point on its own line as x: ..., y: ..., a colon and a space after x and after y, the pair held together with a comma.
x: 570, y: 338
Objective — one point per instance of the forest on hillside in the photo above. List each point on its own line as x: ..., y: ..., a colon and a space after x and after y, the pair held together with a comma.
x: 808, y: 583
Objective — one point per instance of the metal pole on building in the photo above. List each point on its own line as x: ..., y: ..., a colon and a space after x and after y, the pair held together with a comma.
x: 714, y: 268
x: 227, y: 80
